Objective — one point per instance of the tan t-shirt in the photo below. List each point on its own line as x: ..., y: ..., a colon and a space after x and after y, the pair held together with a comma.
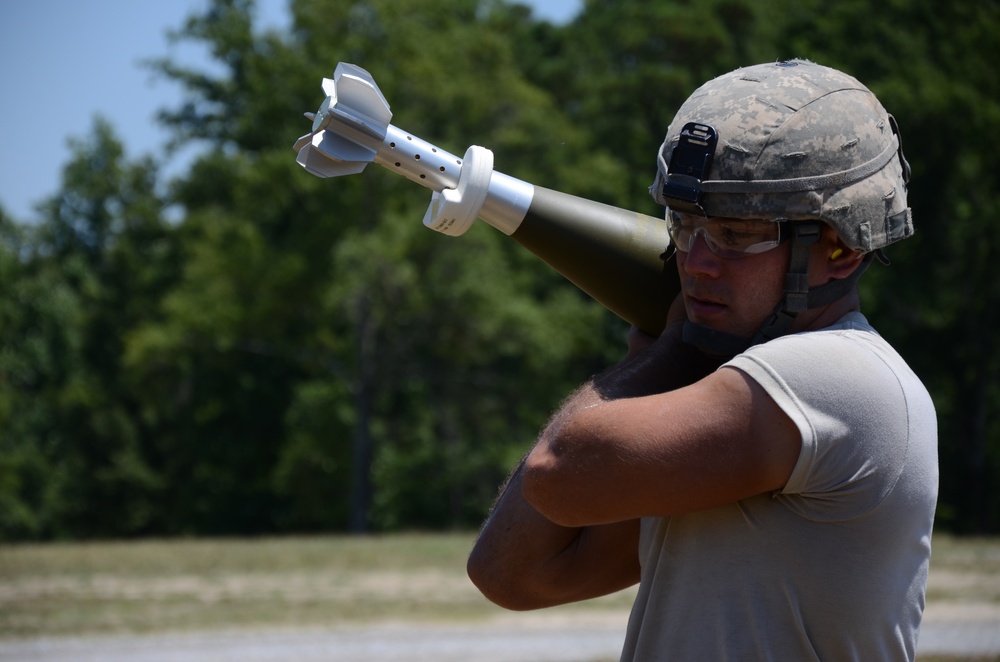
x: 834, y: 567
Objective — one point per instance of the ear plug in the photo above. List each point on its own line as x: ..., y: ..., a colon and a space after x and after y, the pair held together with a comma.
x: 837, y: 253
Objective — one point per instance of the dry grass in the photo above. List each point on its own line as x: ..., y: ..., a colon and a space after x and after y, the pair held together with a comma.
x: 176, y: 585
x: 153, y: 586
x: 965, y: 570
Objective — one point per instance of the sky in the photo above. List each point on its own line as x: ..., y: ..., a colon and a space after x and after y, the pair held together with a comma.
x: 63, y: 62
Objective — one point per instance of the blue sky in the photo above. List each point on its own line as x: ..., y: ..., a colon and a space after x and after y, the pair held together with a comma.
x: 64, y: 61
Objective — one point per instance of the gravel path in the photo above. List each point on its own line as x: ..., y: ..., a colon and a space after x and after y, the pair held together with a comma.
x: 437, y: 643
x: 441, y: 644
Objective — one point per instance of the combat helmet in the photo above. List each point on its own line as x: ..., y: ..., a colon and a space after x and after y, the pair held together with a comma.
x: 790, y: 141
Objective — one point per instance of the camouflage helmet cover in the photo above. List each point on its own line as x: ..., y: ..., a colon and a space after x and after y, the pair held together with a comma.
x: 798, y: 141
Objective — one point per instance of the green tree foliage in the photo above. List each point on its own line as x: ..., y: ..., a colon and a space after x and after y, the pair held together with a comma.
x: 298, y: 354
x: 39, y: 350
x: 625, y: 66
x: 74, y: 458
x: 345, y: 367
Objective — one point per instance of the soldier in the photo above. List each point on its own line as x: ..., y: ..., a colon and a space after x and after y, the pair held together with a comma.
x: 766, y: 468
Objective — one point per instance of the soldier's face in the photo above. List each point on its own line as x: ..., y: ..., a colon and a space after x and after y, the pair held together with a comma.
x: 734, y: 296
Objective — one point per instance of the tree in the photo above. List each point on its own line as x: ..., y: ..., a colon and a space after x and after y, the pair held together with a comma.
x: 296, y: 354
x: 40, y: 349
x: 623, y: 67
x: 370, y: 327
x: 80, y: 279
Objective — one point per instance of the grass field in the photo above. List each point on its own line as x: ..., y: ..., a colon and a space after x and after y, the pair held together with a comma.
x: 152, y: 586
x: 177, y: 585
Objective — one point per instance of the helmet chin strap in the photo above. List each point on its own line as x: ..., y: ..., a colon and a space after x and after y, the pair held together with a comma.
x: 798, y: 298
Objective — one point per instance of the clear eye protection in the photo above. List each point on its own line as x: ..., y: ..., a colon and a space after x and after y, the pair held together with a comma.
x: 728, y: 238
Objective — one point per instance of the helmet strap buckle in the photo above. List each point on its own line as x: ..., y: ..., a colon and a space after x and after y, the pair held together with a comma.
x: 796, y: 299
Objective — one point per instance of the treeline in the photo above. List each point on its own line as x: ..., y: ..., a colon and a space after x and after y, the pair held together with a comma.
x: 249, y: 349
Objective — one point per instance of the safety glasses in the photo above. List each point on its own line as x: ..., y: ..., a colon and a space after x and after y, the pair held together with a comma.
x: 728, y: 238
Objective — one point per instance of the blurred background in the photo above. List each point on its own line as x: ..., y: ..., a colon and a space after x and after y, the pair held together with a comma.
x: 198, y: 338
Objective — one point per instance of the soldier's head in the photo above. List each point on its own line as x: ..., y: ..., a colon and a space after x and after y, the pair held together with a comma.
x: 785, y: 153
